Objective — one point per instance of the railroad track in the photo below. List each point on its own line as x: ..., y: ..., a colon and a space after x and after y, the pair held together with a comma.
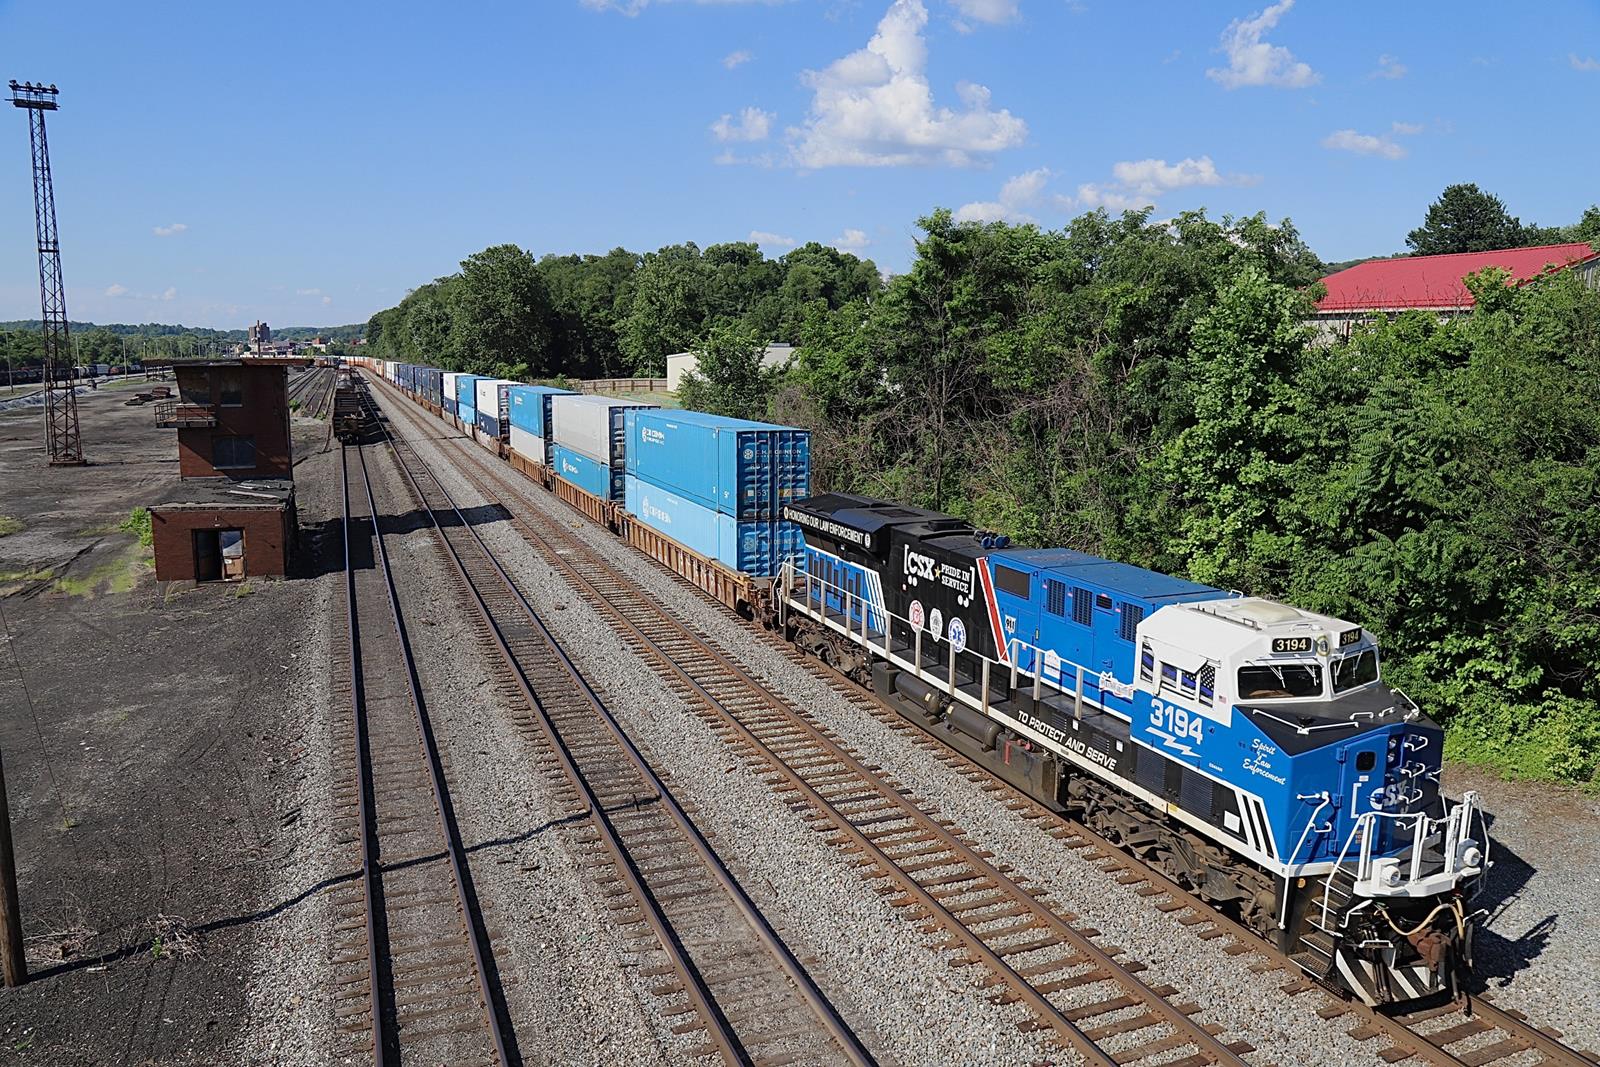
x: 415, y: 981
x: 723, y: 971
x: 1452, y: 1034
x: 1031, y: 952
x: 314, y: 391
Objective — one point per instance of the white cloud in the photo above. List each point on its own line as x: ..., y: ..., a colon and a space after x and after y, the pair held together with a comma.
x: 994, y: 12
x: 1364, y: 144
x: 737, y: 58
x: 327, y: 300
x: 851, y: 240
x: 729, y: 158
x: 116, y: 289
x: 168, y: 231
x: 875, y: 108
x: 1016, y: 195
x: 1583, y: 62
x: 762, y: 237
x: 308, y: 292
x: 753, y: 124
x: 171, y: 293
x: 1253, y: 61
x: 1140, y: 183
x: 1389, y: 67
x: 1406, y: 129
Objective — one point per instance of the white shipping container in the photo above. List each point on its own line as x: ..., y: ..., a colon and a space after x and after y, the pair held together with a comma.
x: 590, y: 424
x: 529, y: 446
x: 450, y: 388
x: 487, y: 393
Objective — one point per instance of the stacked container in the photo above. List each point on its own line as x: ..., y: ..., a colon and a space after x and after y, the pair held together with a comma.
x: 448, y: 392
x: 493, y: 408
x: 430, y: 383
x: 584, y: 427
x: 466, y: 398
x: 530, y: 420
x: 718, y: 485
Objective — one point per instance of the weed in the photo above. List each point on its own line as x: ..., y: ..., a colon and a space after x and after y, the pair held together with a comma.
x: 9, y: 525
x: 156, y: 947
x: 242, y: 589
x: 138, y: 524
x: 68, y: 823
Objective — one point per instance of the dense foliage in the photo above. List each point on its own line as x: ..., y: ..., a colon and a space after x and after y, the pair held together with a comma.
x: 619, y: 314
x: 1151, y: 392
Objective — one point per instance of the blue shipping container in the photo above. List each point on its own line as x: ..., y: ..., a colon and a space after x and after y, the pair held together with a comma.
x: 487, y: 424
x: 756, y: 547
x: 530, y: 407
x: 749, y: 470
x: 590, y: 475
x: 449, y: 405
x: 468, y: 415
x: 431, y: 383
x: 466, y: 396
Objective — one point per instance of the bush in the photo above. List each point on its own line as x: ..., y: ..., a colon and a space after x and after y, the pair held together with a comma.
x: 138, y: 524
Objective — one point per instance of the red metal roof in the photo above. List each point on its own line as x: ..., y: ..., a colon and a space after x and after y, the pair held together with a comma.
x: 1436, y: 281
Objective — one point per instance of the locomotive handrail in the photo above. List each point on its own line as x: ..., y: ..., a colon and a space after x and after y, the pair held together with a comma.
x: 1457, y: 825
x: 1291, y: 870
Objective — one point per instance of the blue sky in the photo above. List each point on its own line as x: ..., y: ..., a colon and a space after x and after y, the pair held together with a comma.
x: 307, y: 163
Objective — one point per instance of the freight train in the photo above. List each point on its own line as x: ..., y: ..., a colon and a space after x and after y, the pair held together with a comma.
x: 1249, y: 750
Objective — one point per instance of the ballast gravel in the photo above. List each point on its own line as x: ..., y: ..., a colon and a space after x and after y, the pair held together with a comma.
x: 1534, y: 947
x: 901, y: 995
x: 572, y: 985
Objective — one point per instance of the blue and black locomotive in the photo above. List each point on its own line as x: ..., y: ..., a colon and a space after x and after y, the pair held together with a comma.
x: 1248, y: 749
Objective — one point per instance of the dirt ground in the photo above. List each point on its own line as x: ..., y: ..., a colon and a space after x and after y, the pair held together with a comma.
x: 146, y: 735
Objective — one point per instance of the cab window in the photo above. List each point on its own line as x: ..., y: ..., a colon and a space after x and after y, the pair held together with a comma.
x: 1279, y: 681
x: 1352, y: 671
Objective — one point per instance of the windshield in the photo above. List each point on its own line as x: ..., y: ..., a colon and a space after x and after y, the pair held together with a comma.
x: 1279, y: 681
x: 1352, y: 671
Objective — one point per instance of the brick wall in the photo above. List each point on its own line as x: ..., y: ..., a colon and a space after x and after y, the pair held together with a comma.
x: 268, y: 538
x: 263, y: 413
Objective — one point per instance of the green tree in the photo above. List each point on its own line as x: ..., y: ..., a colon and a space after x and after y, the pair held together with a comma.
x: 503, y: 311
x: 1465, y: 219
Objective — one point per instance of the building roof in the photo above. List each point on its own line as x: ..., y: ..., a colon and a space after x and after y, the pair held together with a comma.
x: 1436, y: 281
x: 213, y: 493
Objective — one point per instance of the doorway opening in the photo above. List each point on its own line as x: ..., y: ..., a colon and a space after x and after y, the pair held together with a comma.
x: 218, y: 555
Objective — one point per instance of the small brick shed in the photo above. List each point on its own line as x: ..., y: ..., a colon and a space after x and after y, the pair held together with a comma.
x: 218, y: 529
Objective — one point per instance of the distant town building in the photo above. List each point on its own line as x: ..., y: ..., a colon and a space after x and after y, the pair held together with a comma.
x: 680, y: 363
x: 260, y: 333
x: 1385, y: 287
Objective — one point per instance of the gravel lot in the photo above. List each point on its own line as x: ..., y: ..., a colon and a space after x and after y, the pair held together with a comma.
x: 1536, y: 945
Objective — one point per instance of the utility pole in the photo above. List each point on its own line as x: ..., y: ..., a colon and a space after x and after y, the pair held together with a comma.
x: 64, y: 445
x: 13, y: 964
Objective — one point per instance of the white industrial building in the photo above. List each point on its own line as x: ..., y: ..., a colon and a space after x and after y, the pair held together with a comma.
x: 680, y: 363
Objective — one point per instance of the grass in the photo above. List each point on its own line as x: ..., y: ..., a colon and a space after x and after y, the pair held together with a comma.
x: 9, y: 525
x: 120, y: 573
x: 645, y: 396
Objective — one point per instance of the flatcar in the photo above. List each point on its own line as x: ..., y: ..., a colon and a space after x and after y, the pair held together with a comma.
x: 1248, y: 749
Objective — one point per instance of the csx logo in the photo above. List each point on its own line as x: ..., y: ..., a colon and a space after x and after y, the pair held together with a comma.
x: 918, y: 566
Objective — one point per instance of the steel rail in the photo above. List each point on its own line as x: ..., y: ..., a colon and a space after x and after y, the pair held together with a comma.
x: 1405, y: 1040
x: 447, y: 828
x: 723, y: 1036
x: 1207, y: 1046
x: 369, y: 872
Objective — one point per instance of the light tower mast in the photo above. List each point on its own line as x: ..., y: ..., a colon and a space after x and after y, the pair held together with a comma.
x: 60, y: 401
